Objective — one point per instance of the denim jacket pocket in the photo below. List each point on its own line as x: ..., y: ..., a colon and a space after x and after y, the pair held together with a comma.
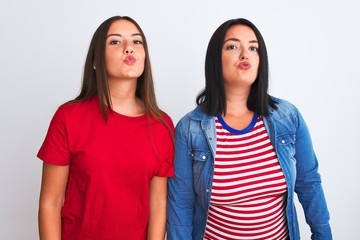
x: 287, y: 143
x: 199, y: 159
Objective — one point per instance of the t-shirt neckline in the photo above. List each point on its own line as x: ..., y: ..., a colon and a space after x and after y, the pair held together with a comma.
x: 237, y: 131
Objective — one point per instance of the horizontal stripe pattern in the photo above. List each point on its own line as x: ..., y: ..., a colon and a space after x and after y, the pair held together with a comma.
x: 249, y: 190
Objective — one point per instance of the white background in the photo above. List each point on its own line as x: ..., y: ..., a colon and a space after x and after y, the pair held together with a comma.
x: 314, y: 63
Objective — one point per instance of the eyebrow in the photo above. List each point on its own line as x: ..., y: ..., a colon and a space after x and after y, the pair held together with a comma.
x: 238, y: 40
x: 119, y: 35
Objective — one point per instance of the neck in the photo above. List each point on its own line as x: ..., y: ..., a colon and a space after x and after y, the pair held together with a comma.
x: 124, y: 99
x: 238, y: 116
x: 236, y: 102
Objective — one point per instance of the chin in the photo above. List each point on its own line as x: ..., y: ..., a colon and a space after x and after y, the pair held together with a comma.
x: 133, y: 75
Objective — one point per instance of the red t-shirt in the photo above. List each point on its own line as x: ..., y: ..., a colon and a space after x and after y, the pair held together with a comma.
x: 111, y: 166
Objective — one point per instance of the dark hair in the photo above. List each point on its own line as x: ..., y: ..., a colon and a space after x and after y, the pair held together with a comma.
x: 213, y: 97
x: 95, y: 82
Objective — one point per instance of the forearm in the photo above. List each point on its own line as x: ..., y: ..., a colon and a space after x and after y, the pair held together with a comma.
x: 181, y: 196
x: 157, y: 223
x: 157, y: 214
x: 54, y: 181
x: 312, y: 199
x: 308, y: 184
x: 49, y: 222
x: 180, y: 209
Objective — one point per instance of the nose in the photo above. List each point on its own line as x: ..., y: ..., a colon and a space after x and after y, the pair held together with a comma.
x: 128, y: 49
x: 243, y: 55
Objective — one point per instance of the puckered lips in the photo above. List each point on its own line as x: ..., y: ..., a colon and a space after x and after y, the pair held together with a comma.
x: 244, y: 65
x: 130, y: 60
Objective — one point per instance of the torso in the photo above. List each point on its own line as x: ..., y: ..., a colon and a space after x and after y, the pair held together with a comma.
x: 111, y: 166
x: 249, y: 190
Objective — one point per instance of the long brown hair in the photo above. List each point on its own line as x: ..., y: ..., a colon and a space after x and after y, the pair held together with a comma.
x: 95, y: 82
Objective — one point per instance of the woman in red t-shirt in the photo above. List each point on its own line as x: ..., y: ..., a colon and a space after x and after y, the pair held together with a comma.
x: 108, y: 153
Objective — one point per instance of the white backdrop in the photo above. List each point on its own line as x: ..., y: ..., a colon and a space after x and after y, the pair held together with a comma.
x: 313, y: 52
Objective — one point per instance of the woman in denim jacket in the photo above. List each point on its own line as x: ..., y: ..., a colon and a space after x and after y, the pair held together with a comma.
x: 216, y: 195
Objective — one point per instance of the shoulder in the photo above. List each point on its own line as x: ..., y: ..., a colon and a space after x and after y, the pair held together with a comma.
x: 188, y: 117
x: 78, y: 110
x: 167, y: 119
x: 193, y: 121
x: 79, y: 105
x: 197, y: 115
x: 286, y: 115
x: 162, y: 125
x: 284, y: 108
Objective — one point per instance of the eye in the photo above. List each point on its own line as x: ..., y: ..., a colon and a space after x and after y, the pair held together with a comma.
x: 231, y: 47
x: 254, y: 49
x: 137, y: 42
x: 114, y: 42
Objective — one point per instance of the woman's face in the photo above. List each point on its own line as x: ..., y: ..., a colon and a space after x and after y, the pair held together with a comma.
x: 240, y: 58
x: 124, y: 51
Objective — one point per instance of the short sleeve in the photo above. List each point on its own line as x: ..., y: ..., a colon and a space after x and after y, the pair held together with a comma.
x: 55, y: 148
x: 166, y: 167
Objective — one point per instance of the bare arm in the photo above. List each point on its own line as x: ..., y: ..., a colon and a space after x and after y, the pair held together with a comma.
x: 157, y: 218
x: 53, y: 185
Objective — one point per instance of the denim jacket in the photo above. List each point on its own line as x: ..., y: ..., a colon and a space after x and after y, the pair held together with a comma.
x: 190, y: 188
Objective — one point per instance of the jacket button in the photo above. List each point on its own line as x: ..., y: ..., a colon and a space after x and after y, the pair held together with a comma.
x: 282, y: 141
x: 204, y: 157
x: 207, y: 190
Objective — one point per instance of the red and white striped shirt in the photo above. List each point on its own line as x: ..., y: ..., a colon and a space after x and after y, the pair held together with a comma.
x: 248, y: 195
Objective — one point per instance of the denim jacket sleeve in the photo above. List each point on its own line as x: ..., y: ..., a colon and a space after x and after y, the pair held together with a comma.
x: 308, y: 183
x: 181, y: 196
x: 291, y: 138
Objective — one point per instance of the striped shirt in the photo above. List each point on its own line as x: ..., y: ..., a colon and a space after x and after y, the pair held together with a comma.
x: 248, y: 196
